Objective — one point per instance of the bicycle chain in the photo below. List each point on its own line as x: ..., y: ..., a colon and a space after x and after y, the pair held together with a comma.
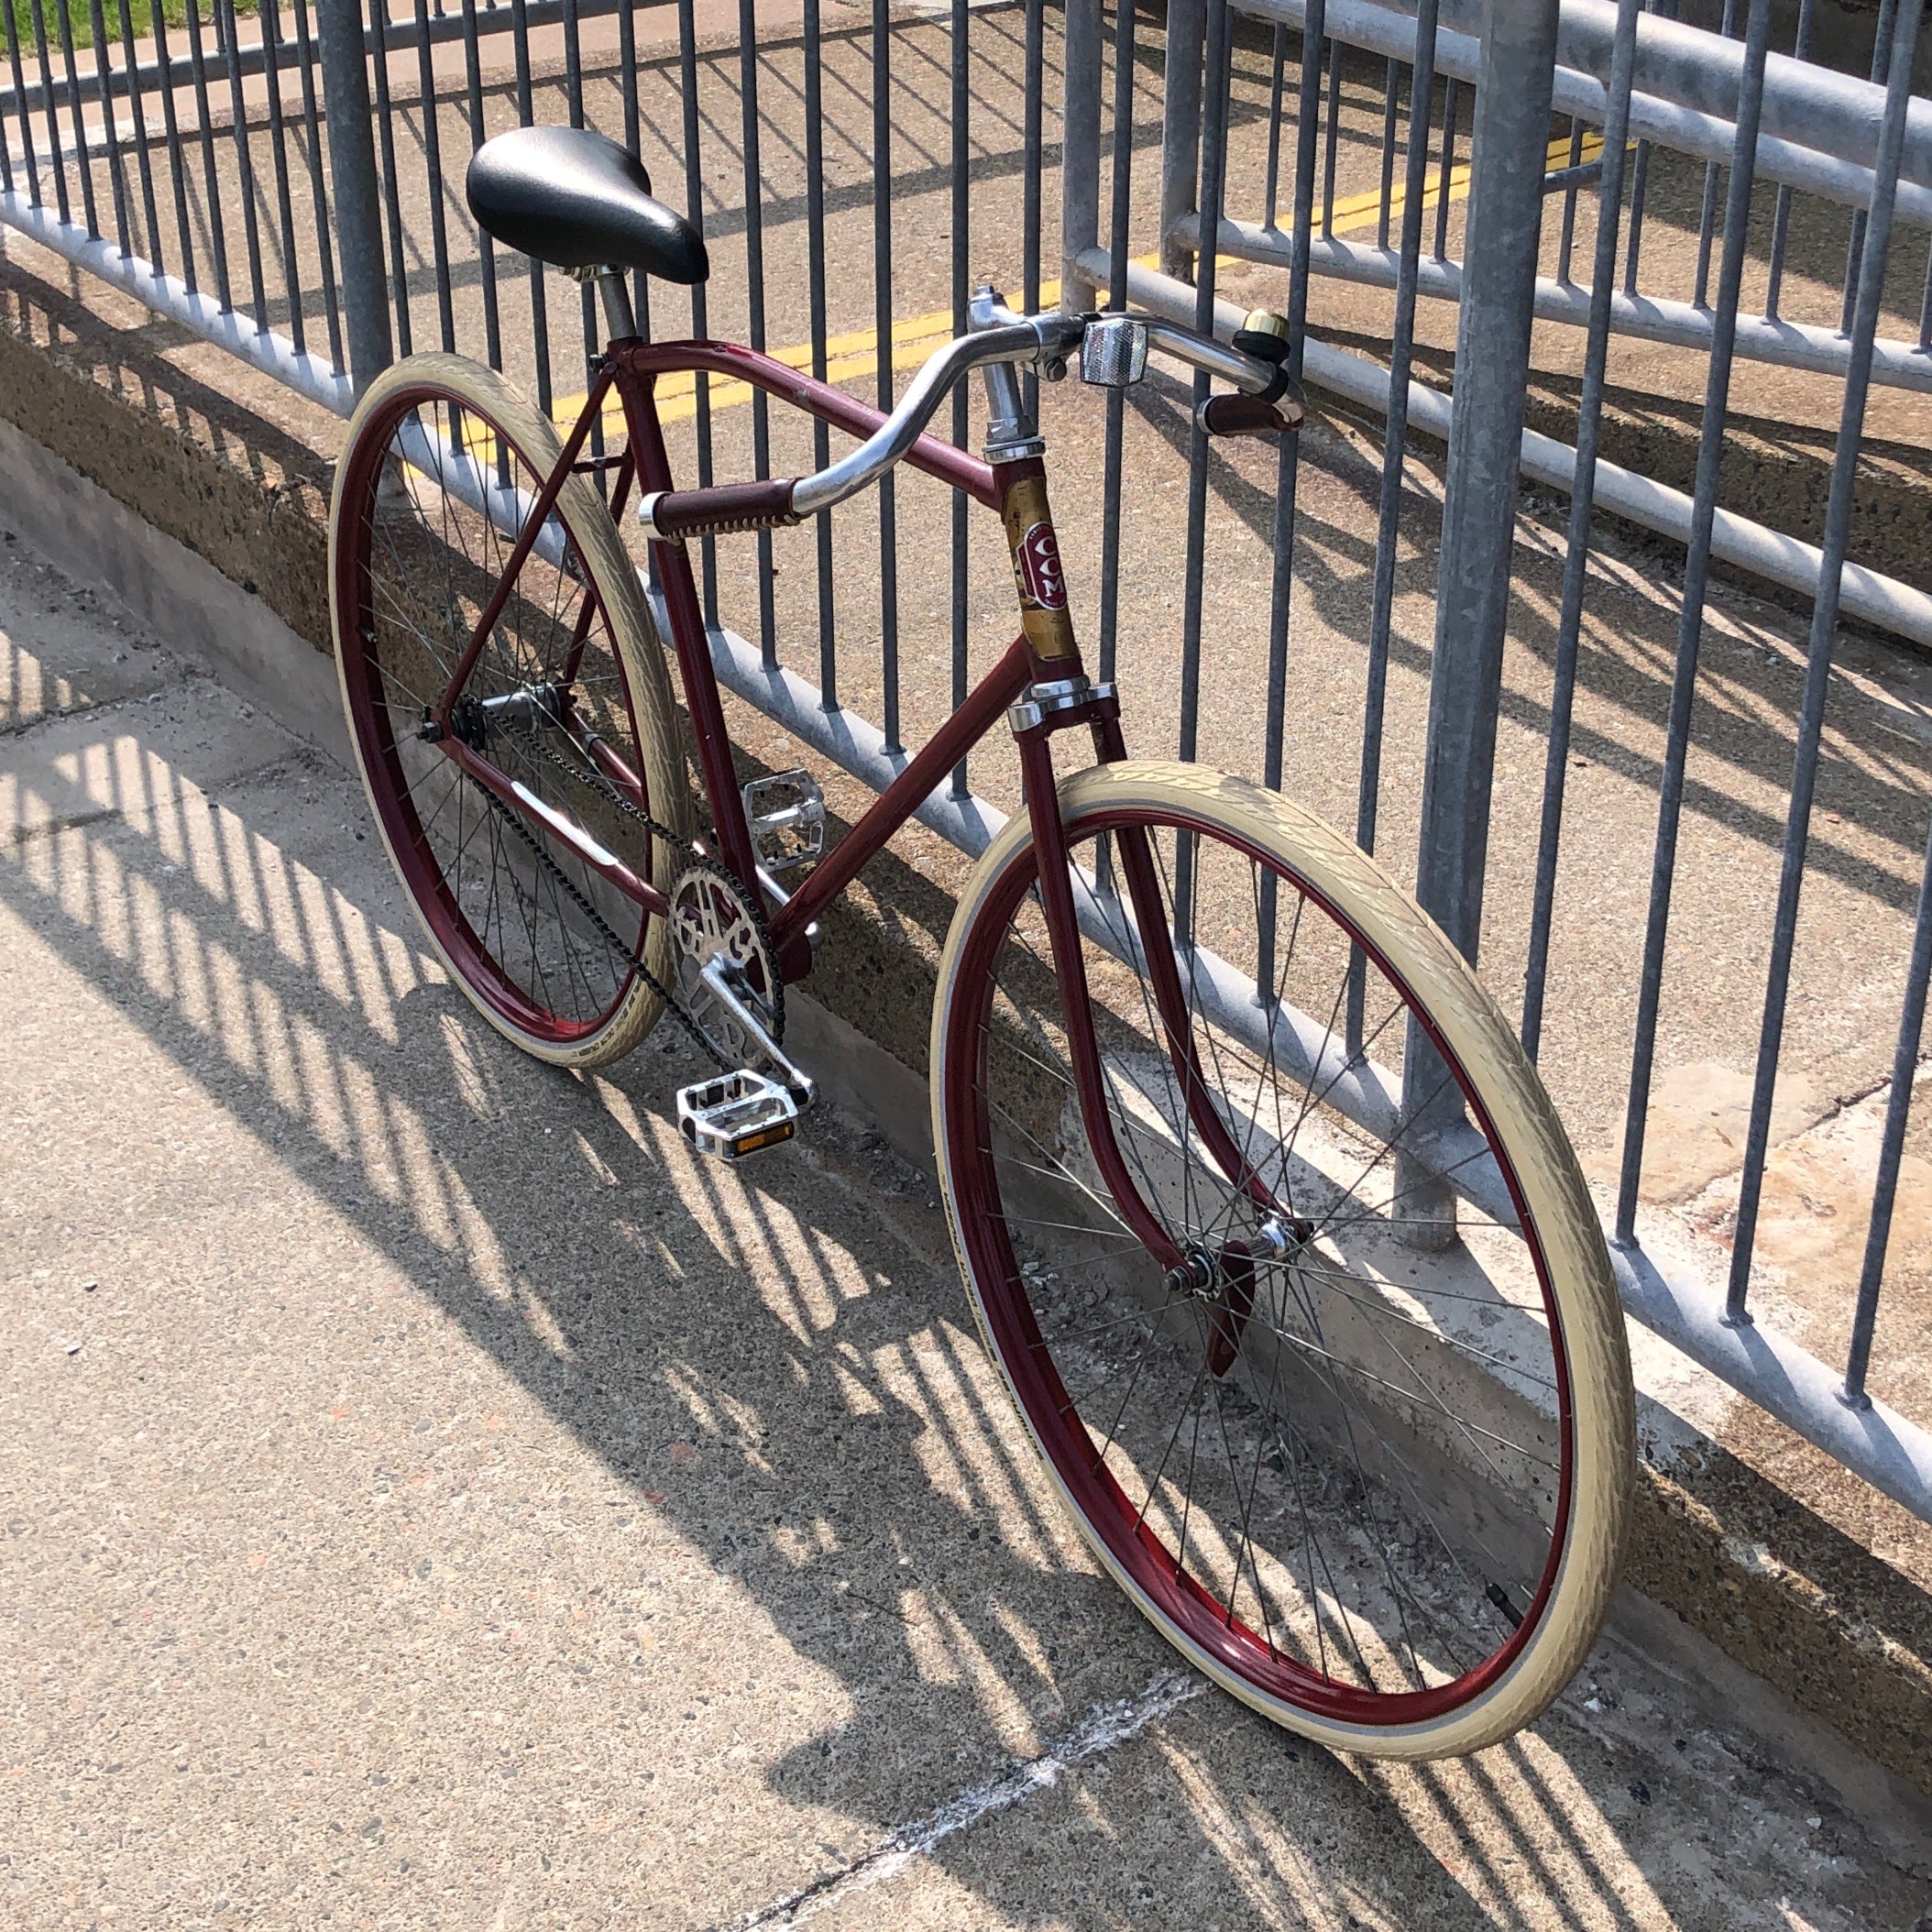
x: 560, y: 877
x: 693, y: 859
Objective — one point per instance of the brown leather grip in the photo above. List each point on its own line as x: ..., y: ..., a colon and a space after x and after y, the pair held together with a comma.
x: 1240, y: 416
x: 729, y: 507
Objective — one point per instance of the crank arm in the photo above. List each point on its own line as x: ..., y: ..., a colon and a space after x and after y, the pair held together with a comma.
x: 718, y: 975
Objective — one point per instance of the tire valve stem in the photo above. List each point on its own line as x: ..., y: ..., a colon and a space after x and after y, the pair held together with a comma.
x: 1501, y: 1599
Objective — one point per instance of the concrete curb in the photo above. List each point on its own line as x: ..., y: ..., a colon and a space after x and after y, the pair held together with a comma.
x: 1727, y: 1573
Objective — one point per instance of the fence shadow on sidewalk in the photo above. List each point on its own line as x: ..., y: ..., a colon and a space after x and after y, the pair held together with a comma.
x: 820, y: 1427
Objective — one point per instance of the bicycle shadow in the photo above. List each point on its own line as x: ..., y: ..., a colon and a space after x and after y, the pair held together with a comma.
x: 778, y: 1367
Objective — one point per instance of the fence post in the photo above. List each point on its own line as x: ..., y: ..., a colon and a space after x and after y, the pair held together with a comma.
x: 1507, y: 160
x: 352, y: 174
x: 1180, y: 129
x: 1079, y: 165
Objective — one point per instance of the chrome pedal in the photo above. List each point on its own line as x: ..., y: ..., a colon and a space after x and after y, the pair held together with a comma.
x: 736, y: 1114
x: 786, y: 816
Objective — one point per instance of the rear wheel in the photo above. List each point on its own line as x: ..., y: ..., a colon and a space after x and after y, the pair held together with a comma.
x: 1367, y: 1457
x: 568, y: 709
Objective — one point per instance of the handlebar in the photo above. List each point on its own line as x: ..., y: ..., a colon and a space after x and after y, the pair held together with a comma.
x: 1046, y: 341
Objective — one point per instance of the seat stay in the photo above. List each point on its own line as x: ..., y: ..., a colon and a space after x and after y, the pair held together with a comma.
x: 526, y: 542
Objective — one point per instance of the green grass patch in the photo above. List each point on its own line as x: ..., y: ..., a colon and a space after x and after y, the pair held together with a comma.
x: 79, y: 15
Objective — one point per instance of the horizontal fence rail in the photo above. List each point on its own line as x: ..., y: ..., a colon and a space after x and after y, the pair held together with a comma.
x: 287, y: 186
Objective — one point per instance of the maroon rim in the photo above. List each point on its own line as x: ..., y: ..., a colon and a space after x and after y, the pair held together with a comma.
x: 369, y: 718
x: 1026, y: 1357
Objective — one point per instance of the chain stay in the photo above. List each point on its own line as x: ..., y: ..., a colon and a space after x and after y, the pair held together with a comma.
x: 598, y: 784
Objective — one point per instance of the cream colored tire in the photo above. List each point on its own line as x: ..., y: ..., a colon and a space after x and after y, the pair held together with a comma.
x: 1580, y: 1568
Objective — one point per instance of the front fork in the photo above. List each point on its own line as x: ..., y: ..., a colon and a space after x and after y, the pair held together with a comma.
x: 1062, y: 696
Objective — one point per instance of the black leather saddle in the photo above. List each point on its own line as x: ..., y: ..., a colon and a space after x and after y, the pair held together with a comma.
x: 572, y: 198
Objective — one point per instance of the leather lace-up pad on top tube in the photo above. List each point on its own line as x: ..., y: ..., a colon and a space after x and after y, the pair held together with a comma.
x: 573, y: 199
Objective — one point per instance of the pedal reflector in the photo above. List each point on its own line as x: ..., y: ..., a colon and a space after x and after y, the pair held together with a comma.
x: 736, y: 1114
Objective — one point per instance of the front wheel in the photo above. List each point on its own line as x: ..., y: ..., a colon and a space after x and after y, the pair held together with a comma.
x: 1366, y: 1458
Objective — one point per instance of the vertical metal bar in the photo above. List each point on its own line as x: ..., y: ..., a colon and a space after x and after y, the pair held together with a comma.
x: 1509, y: 146
x: 1277, y: 74
x: 211, y: 182
x: 391, y: 184
x: 1565, y: 246
x: 305, y: 61
x: 754, y: 296
x: 695, y: 215
x: 1445, y: 172
x: 961, y: 263
x: 1690, y: 631
x: 243, y: 161
x: 50, y: 109
x: 80, y: 124
x: 1781, y: 221
x: 574, y: 74
x: 1287, y: 472
x: 882, y: 342
x: 479, y: 134
x: 1707, y: 213
x: 1871, y: 295
x: 1855, y: 251
x: 1334, y: 138
x: 590, y: 320
x: 1925, y: 310
x: 1213, y: 179
x: 1218, y: 87
x: 278, y: 147
x: 1395, y: 452
x: 136, y: 106
x: 1640, y: 177
x: 1583, y: 496
x: 433, y: 165
x: 539, y: 295
x: 352, y: 174
x: 1080, y: 153
x: 1032, y: 140
x: 110, y: 131
x: 1391, y: 93
x: 1119, y: 223
x: 29, y: 154
x: 1892, y: 1144
x: 815, y: 269
x: 1179, y: 124
x: 633, y: 130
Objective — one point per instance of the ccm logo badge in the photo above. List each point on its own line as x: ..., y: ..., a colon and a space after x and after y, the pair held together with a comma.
x: 1042, y: 581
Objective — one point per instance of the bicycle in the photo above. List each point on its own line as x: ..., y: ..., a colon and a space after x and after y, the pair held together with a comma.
x: 1266, y: 1219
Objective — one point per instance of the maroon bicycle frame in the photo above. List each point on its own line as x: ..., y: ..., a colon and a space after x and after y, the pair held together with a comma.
x: 632, y: 367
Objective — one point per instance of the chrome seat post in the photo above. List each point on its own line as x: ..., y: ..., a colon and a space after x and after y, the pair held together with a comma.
x: 614, y: 292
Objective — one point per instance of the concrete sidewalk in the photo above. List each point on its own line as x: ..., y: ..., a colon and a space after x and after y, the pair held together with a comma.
x: 434, y: 1499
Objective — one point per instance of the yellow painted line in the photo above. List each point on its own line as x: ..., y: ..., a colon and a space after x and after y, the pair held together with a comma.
x: 852, y: 358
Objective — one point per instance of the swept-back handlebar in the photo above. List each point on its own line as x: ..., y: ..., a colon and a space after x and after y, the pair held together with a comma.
x: 1048, y: 341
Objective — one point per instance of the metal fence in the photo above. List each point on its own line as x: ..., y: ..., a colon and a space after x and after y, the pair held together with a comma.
x: 287, y: 186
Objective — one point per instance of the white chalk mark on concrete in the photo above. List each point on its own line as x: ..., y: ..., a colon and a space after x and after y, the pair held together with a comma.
x: 1104, y: 1726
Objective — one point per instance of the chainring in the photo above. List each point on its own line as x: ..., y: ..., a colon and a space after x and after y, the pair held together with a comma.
x: 711, y: 915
